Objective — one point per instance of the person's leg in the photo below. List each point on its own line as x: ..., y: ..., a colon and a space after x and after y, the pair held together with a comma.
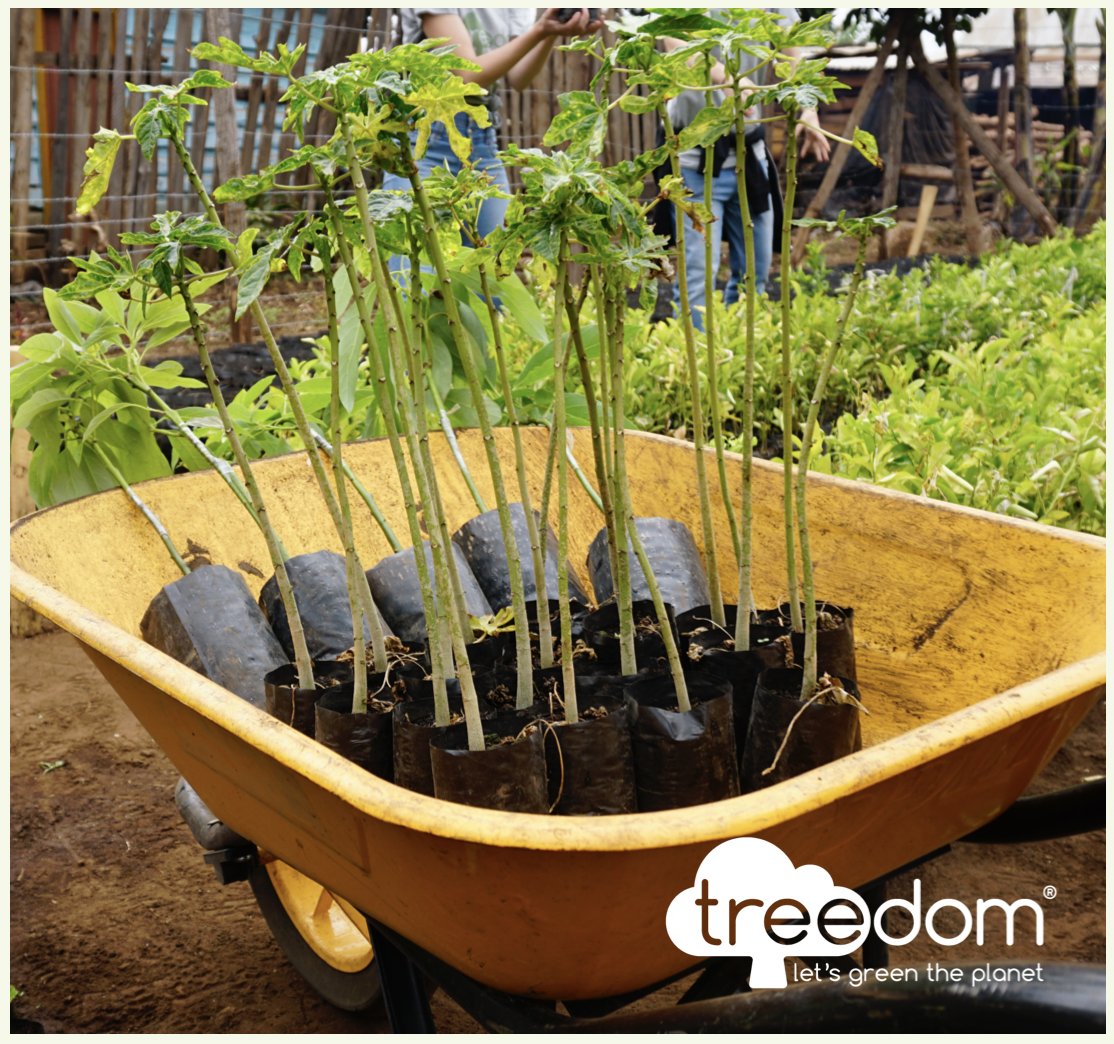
x: 726, y: 189
x: 764, y: 246
x: 696, y: 279
x: 485, y: 147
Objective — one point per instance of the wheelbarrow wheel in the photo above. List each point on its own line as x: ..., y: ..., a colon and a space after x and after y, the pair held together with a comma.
x: 322, y: 935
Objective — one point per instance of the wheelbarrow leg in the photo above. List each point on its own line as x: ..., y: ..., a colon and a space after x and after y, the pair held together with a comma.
x: 404, y: 989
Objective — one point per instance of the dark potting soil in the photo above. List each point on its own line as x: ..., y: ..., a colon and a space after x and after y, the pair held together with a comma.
x: 237, y: 368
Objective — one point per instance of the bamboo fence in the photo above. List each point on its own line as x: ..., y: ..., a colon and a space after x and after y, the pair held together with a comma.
x: 68, y: 74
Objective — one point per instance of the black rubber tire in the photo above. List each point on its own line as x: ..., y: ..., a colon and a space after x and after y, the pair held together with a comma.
x: 349, y: 991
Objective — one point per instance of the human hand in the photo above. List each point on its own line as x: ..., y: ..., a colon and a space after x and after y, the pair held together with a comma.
x: 810, y: 137
x: 580, y: 24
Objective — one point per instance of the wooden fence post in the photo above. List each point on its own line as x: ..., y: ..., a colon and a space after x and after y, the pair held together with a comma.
x: 839, y: 157
x: 21, y: 127
x: 218, y: 23
x: 1002, y: 167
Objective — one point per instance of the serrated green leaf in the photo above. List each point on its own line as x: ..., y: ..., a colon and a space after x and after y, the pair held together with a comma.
x: 581, y: 121
x: 441, y: 103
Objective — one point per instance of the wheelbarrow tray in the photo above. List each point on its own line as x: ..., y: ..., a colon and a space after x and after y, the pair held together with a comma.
x: 981, y: 645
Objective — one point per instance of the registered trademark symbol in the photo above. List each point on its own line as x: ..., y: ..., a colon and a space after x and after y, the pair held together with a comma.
x: 1049, y: 892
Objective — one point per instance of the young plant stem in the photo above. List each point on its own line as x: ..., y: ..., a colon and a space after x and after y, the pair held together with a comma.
x: 414, y: 370
x: 621, y: 576
x: 221, y: 467
x: 710, y: 555
x: 148, y: 514
x: 787, y: 369
x: 586, y: 485
x: 525, y: 693
x: 711, y: 266
x: 623, y: 484
x: 351, y: 565
x: 300, y: 420
x: 605, y: 397
x: 541, y: 595
x: 808, y: 683
x: 440, y: 694
x: 450, y: 437
x: 603, y: 498
x: 745, y: 607
x: 567, y: 675
x: 364, y: 495
x: 274, y: 548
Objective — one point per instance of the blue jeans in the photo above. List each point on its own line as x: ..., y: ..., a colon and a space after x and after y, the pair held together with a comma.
x: 729, y: 221
x: 439, y: 153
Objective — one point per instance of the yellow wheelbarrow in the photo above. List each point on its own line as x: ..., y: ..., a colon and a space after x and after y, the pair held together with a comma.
x: 980, y: 648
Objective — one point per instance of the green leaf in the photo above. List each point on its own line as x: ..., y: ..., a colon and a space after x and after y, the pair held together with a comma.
x: 865, y: 143
x: 522, y: 305
x: 42, y: 400
x: 252, y: 282
x: 582, y: 120
x: 707, y: 127
x: 26, y: 376
x: 39, y: 348
x: 441, y: 104
x: 60, y: 316
x: 244, y: 188
x: 98, y: 169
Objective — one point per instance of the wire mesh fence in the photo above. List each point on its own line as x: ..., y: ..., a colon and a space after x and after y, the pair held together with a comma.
x: 69, y: 74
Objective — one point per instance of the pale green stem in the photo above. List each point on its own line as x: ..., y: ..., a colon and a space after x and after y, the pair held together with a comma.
x: 274, y: 548
x: 787, y: 369
x: 602, y: 500
x: 605, y: 426
x: 541, y: 596
x: 567, y: 675
x: 359, y: 649
x: 450, y: 435
x: 525, y: 693
x: 711, y: 266
x: 710, y: 554
x: 418, y: 417
x: 745, y: 607
x: 671, y: 650
x: 364, y: 495
x: 621, y: 577
x: 808, y: 684
x: 440, y: 695
x: 148, y: 514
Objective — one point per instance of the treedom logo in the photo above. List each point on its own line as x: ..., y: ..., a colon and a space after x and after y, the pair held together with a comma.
x: 749, y: 900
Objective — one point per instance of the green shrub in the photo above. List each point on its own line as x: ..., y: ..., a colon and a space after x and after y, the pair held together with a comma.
x: 1016, y: 425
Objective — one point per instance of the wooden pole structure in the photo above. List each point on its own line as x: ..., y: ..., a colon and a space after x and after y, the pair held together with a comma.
x: 839, y: 157
x: 255, y: 92
x: 119, y: 110
x: 1071, y: 110
x: 82, y: 113
x: 1097, y: 163
x: 21, y: 126
x: 1023, y: 151
x: 954, y: 104
x: 271, y: 95
x: 895, y: 132
x: 183, y: 28
x: 218, y: 23
x: 964, y: 187
x: 55, y: 210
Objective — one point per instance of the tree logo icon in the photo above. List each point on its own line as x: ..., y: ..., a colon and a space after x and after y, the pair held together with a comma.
x: 749, y: 900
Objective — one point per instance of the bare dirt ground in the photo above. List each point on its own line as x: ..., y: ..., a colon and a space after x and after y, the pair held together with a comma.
x: 118, y: 926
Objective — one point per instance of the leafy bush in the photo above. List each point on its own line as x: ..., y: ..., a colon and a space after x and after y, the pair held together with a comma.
x: 1016, y: 425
